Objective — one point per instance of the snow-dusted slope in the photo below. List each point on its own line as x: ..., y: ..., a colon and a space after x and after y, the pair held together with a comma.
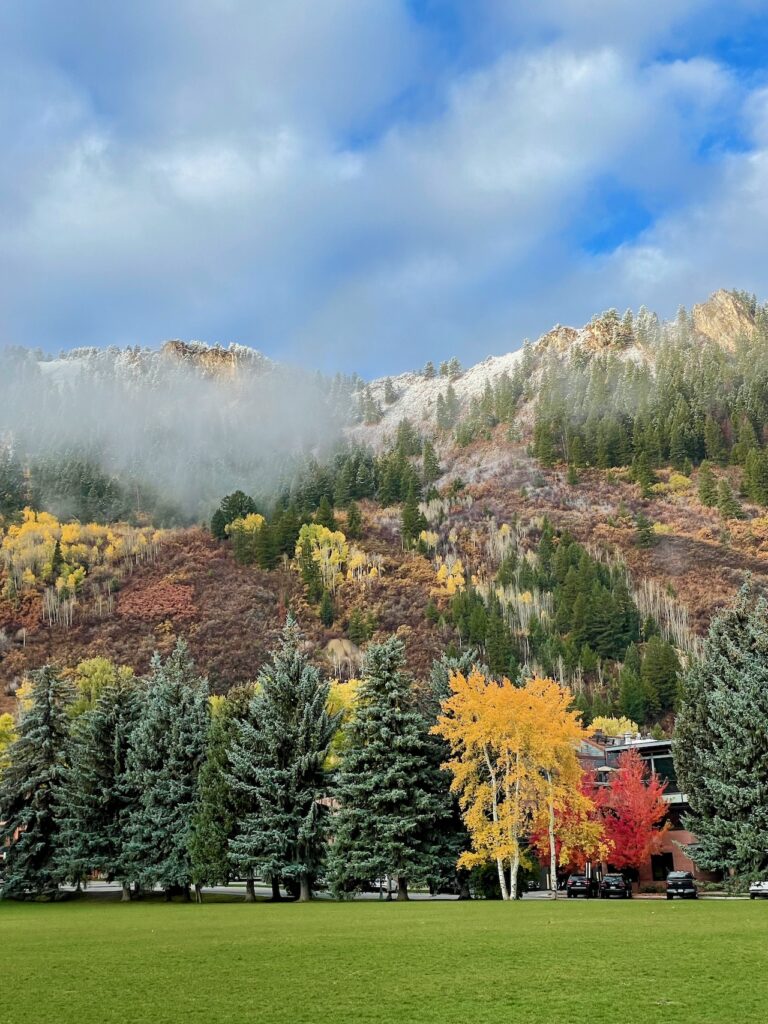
x: 417, y: 395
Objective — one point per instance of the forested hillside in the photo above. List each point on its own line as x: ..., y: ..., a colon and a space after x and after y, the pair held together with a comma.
x: 578, y: 508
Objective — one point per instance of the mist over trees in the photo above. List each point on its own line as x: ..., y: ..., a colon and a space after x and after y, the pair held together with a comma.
x: 116, y: 433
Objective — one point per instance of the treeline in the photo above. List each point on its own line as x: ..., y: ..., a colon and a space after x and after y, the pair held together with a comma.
x: 151, y: 783
x: 402, y: 475
x: 568, y: 615
x: 696, y: 401
x: 71, y: 486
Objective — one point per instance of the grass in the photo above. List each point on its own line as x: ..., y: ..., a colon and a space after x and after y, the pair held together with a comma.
x: 99, y: 962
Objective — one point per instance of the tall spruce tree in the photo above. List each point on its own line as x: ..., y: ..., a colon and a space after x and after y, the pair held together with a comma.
x: 29, y: 790
x: 721, y: 740
x: 393, y: 799
x: 95, y: 799
x: 707, y: 485
x: 167, y: 751
x: 277, y: 763
x: 216, y: 808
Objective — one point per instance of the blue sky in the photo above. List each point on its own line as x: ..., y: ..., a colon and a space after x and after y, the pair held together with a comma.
x: 368, y: 184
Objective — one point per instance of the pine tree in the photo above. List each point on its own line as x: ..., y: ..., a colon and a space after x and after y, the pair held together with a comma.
x: 30, y: 788
x: 310, y: 573
x: 644, y: 535
x: 430, y: 464
x: 324, y: 515
x: 727, y: 504
x: 96, y: 795
x: 167, y: 751
x: 707, y: 485
x: 354, y: 526
x: 219, y: 525
x: 392, y: 798
x: 390, y: 395
x: 632, y: 696
x: 12, y: 484
x: 326, y: 611
x: 714, y: 442
x: 429, y: 370
x: 412, y: 520
x: 721, y: 740
x: 642, y: 473
x: 216, y: 808
x: 661, y: 672
x: 277, y: 767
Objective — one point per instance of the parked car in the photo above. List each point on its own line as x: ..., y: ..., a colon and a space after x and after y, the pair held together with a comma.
x: 581, y: 885
x: 680, y: 884
x: 615, y: 885
x: 533, y: 885
x: 759, y: 890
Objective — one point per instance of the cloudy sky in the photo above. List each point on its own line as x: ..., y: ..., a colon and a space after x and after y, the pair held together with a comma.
x: 368, y: 184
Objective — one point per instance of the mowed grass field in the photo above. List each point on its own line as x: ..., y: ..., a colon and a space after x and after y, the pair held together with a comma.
x: 100, y: 962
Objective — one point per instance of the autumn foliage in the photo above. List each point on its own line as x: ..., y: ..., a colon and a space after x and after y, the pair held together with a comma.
x: 633, y: 808
x: 515, y: 769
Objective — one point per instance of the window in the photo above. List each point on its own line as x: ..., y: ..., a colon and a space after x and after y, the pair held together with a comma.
x: 665, y: 769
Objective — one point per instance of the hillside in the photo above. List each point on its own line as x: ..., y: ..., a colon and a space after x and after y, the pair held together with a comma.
x: 589, y: 446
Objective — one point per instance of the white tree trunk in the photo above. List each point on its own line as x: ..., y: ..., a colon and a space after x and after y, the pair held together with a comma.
x: 552, y: 847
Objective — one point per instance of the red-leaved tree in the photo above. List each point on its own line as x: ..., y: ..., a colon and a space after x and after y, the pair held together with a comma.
x: 633, y: 805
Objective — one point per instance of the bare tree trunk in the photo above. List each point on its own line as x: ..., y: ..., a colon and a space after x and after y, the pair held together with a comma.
x: 276, y: 895
x: 125, y: 896
x: 402, y: 888
x: 552, y: 849
x: 198, y: 893
x: 250, y: 891
x: 305, y: 889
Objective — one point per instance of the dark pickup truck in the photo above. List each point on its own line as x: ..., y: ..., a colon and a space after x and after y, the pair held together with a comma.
x: 680, y: 885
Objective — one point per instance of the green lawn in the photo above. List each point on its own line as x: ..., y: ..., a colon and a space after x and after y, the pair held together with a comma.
x: 100, y: 962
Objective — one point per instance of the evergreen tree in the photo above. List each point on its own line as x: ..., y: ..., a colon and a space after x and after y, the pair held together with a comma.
x: 714, y: 442
x: 327, y: 611
x: 707, y: 485
x: 310, y: 573
x: 30, y: 789
x: 632, y: 696
x: 661, y: 673
x: 96, y: 796
x: 643, y: 474
x: 430, y: 464
x: 392, y: 798
x: 390, y: 395
x: 219, y: 525
x: 277, y: 766
x: 727, y: 504
x: 429, y: 370
x: 324, y: 515
x: 412, y: 520
x: 12, y: 484
x: 354, y: 527
x: 721, y: 740
x: 644, y: 535
x: 166, y: 753
x: 237, y: 505
x: 216, y: 808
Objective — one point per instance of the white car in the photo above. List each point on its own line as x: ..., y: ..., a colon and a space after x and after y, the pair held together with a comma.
x: 758, y: 890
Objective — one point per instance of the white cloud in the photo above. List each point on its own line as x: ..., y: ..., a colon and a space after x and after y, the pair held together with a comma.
x: 245, y: 172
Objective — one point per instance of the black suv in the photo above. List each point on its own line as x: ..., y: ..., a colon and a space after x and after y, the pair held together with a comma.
x: 580, y: 885
x: 680, y: 884
x: 615, y: 885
